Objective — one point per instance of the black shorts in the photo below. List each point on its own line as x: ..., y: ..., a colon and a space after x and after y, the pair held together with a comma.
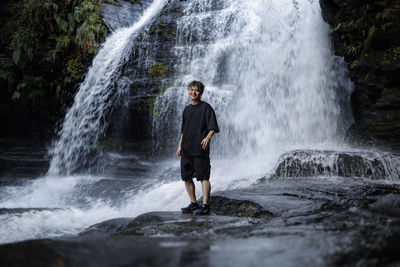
x: 198, y: 167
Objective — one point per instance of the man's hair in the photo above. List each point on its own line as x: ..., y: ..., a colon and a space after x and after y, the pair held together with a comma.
x: 199, y: 85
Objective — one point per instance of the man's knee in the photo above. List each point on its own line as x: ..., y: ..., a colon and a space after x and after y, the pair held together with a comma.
x: 189, y: 182
x: 206, y: 182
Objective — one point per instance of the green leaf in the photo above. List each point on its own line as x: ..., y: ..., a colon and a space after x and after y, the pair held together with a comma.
x: 16, y: 95
x: 21, y: 85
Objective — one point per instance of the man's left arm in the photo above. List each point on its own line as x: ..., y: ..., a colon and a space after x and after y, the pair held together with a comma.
x: 206, y: 140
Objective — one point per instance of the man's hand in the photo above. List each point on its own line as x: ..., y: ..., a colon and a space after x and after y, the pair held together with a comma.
x: 178, y: 152
x: 204, y: 143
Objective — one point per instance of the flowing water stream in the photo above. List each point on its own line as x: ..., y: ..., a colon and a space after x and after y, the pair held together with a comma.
x: 271, y: 77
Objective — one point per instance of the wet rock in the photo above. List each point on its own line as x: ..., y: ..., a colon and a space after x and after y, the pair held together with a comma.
x: 23, y: 162
x: 309, y: 213
x: 374, y: 166
x: 173, y: 224
x: 234, y: 207
x: 106, y: 228
x: 154, y: 45
x: 114, y: 251
x: 367, y: 35
x: 226, y: 212
x: 120, y: 13
x: 389, y: 204
x: 383, y: 252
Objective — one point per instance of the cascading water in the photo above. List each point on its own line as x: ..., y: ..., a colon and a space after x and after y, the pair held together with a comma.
x: 270, y: 76
x: 86, y: 120
x: 269, y: 73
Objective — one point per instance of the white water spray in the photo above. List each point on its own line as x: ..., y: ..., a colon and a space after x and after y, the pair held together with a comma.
x: 269, y: 73
x: 86, y: 120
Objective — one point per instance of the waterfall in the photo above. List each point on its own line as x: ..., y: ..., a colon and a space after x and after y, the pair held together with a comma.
x: 279, y: 93
x: 86, y: 121
x: 269, y: 73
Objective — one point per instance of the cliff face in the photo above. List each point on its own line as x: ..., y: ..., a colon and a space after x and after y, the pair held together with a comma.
x: 367, y: 35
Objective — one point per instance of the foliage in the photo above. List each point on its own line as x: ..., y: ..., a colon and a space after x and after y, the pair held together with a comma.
x: 356, y: 31
x: 157, y: 69
x: 45, y: 48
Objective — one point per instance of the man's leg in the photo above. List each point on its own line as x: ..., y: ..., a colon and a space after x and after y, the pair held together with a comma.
x: 190, y: 188
x: 206, y: 188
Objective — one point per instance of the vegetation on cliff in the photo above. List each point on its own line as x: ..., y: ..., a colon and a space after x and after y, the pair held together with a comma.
x: 367, y: 35
x: 46, y: 46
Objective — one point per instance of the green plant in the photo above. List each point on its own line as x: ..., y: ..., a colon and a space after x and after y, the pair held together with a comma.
x: 47, y: 45
x: 157, y: 69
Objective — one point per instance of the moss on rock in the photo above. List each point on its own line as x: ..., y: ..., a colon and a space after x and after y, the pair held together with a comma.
x: 240, y: 208
x: 158, y: 70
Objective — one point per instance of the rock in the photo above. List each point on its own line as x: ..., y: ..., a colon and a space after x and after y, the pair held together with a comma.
x: 367, y: 35
x: 313, y: 163
x: 116, y: 251
x: 224, y: 210
x: 389, y: 204
x: 307, y: 213
x: 106, y: 228
x: 242, y: 208
x: 23, y: 161
x: 154, y: 46
x: 120, y: 13
x: 173, y: 224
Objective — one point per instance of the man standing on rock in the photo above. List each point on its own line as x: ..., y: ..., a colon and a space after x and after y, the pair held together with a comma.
x: 199, y: 123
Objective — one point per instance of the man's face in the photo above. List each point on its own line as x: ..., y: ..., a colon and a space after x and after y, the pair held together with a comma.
x: 194, y: 93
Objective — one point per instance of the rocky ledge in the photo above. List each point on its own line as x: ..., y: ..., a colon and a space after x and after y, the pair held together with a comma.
x: 325, y: 163
x: 289, y: 222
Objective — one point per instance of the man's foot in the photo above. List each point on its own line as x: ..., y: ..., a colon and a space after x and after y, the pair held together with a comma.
x: 204, y: 209
x: 191, y: 208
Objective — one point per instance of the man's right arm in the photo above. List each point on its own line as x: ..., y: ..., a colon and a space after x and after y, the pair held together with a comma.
x: 178, y: 151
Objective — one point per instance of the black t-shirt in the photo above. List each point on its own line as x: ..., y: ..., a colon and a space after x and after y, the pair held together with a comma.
x: 197, y: 121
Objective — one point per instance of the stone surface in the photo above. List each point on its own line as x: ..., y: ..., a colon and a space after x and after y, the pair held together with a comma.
x: 314, y: 163
x: 121, y: 13
x: 23, y: 161
x: 315, y: 222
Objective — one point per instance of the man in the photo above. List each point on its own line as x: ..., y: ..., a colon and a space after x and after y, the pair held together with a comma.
x: 199, y: 123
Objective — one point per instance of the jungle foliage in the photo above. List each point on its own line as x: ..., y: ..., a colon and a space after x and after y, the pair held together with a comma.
x: 46, y: 46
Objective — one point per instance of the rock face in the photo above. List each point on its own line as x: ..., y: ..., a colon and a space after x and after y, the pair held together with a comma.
x: 23, y: 161
x: 120, y: 13
x: 367, y: 35
x: 150, y: 70
x: 153, y: 66
x: 312, y: 163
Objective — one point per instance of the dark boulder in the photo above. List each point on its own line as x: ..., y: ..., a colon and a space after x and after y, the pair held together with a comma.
x: 374, y: 166
x: 240, y: 208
